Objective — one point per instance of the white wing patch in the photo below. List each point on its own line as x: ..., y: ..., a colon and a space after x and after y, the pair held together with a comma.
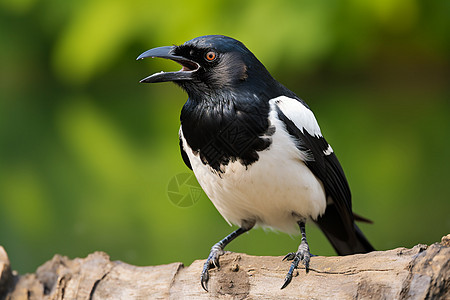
x: 299, y: 114
x: 328, y: 151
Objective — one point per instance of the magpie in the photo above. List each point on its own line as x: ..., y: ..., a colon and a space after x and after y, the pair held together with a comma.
x: 257, y: 150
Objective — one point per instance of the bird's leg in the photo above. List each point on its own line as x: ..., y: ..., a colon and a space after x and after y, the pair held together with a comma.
x: 217, y: 251
x: 302, y: 254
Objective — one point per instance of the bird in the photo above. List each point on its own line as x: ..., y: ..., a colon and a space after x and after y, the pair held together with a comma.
x: 257, y: 150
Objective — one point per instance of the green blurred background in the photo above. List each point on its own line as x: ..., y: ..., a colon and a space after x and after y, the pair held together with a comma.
x: 86, y: 153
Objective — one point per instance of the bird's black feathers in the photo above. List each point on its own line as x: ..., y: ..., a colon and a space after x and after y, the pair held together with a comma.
x: 184, y: 155
x: 226, y: 131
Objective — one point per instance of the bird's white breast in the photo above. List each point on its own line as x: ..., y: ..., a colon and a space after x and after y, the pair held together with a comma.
x: 276, y: 191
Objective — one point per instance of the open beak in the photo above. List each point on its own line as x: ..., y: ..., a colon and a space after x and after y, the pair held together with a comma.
x: 186, y: 72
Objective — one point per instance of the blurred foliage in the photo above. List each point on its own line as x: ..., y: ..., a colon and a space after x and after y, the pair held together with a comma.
x: 86, y: 153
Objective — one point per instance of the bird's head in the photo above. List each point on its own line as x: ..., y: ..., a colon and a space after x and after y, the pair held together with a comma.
x: 209, y: 64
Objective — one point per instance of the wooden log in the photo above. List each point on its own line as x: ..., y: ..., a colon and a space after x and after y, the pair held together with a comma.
x: 422, y: 272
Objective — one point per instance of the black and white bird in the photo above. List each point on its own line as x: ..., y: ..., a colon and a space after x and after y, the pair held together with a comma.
x: 256, y: 149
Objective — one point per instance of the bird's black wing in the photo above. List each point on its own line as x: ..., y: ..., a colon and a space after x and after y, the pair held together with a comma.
x: 338, y: 221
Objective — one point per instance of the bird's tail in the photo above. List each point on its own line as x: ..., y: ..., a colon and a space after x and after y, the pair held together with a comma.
x: 347, y: 238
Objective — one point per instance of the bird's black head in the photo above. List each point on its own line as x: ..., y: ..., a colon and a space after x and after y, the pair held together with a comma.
x: 210, y: 64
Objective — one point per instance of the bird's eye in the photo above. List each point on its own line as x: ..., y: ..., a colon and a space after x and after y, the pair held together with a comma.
x: 210, y: 56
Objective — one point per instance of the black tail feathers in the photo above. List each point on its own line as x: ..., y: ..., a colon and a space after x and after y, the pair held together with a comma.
x: 344, y: 235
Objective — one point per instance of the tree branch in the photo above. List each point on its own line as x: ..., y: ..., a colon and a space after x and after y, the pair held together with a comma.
x: 422, y: 272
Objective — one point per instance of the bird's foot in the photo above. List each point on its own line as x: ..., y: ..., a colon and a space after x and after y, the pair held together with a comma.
x: 302, y: 255
x: 211, y: 262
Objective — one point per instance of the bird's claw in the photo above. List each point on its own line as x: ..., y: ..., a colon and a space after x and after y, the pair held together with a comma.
x: 287, y: 280
x: 302, y: 255
x: 211, y: 262
x: 289, y: 256
x: 204, y: 279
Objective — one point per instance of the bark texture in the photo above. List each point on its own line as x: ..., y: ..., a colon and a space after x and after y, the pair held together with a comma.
x: 422, y: 272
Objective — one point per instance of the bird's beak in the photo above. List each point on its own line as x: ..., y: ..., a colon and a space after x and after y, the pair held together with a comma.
x: 186, y: 72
